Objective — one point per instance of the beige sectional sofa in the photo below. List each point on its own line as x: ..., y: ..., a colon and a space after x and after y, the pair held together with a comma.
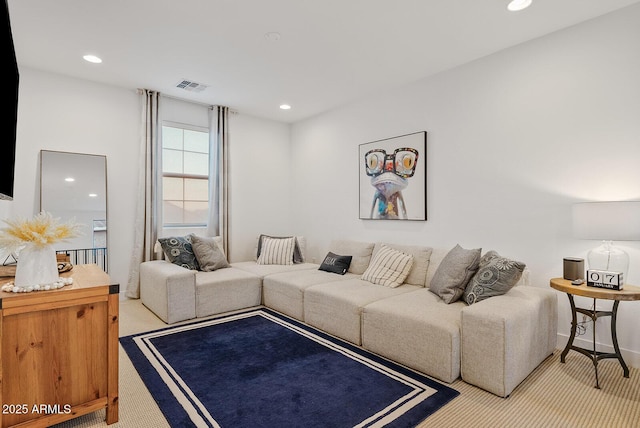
x: 493, y: 344
x: 176, y: 294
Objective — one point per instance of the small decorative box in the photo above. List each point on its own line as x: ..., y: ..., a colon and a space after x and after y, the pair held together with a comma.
x: 605, y: 279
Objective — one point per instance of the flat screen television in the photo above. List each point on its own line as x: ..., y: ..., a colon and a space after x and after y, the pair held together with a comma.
x: 10, y: 102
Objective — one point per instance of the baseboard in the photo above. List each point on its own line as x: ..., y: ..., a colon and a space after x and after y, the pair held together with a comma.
x: 631, y: 358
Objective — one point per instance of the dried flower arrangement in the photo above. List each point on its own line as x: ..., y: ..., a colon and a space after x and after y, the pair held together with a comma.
x: 42, y: 230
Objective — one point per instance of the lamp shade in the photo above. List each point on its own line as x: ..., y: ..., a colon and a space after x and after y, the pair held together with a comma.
x: 612, y: 221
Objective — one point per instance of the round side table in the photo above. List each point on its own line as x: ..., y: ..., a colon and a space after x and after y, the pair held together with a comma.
x: 629, y: 293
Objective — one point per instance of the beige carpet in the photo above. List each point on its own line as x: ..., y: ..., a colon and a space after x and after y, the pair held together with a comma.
x: 554, y: 395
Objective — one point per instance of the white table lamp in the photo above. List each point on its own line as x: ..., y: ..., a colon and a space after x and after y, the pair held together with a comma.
x: 607, y: 221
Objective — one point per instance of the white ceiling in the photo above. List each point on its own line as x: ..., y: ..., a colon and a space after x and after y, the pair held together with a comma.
x: 330, y: 52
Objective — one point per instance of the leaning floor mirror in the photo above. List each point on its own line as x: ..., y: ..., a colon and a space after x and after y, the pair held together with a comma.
x: 73, y: 187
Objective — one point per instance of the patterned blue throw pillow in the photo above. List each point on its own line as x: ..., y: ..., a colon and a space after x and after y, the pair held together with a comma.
x: 178, y: 250
x: 496, y: 275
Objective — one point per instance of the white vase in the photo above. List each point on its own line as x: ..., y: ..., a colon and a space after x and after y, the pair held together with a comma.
x: 37, y: 265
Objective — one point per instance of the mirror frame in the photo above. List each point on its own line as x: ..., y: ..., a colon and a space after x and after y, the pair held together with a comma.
x: 106, y: 199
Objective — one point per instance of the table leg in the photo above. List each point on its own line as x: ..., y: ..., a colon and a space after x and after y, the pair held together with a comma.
x: 594, y: 357
x: 574, y: 328
x: 593, y: 353
x: 614, y: 337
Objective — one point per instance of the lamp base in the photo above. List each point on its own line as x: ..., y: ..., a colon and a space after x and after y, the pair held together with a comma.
x: 609, y: 258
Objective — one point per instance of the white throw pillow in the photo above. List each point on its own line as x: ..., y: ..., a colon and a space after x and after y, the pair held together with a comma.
x: 277, y: 251
x: 388, y: 267
x: 298, y: 251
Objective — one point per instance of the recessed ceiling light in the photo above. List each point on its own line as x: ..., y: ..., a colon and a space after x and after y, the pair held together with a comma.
x: 272, y: 36
x: 69, y: 179
x: 92, y: 58
x: 285, y: 107
x: 516, y: 5
x: 93, y: 195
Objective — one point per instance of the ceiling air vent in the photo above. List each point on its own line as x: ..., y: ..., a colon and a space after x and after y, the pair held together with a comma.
x: 189, y: 85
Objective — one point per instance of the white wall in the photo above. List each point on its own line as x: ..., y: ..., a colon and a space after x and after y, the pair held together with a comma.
x: 61, y: 113
x: 259, y: 183
x: 513, y: 140
x: 65, y: 114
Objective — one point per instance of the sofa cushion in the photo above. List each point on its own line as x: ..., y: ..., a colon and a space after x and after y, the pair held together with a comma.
x: 178, y: 250
x: 276, y: 251
x: 335, y: 307
x: 284, y: 291
x: 505, y: 338
x: 360, y: 253
x: 421, y: 261
x: 496, y: 275
x: 208, y: 253
x: 437, y: 255
x: 454, y: 272
x: 336, y: 263
x: 226, y: 290
x: 265, y: 270
x: 416, y: 329
x: 168, y: 290
x: 388, y: 267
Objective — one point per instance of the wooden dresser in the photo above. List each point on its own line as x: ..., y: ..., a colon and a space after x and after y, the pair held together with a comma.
x: 59, y: 351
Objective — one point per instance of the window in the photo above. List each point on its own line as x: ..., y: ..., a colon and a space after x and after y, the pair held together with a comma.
x: 185, y: 176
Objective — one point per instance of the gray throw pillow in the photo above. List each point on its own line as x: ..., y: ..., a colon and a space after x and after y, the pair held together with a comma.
x: 454, y: 272
x: 178, y: 250
x: 209, y: 255
x: 495, y: 277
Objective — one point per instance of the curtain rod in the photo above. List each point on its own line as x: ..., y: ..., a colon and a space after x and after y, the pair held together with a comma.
x: 210, y: 106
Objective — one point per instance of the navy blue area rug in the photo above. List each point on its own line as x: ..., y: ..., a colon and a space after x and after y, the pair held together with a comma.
x: 261, y: 369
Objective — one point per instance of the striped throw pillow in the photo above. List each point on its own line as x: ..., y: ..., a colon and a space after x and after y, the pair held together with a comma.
x: 277, y: 251
x: 388, y: 267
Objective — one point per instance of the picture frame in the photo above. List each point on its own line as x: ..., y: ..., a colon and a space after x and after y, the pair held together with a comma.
x: 393, y: 178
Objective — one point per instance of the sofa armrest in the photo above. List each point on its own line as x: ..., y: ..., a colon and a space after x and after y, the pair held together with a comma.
x: 506, y: 337
x: 168, y: 290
